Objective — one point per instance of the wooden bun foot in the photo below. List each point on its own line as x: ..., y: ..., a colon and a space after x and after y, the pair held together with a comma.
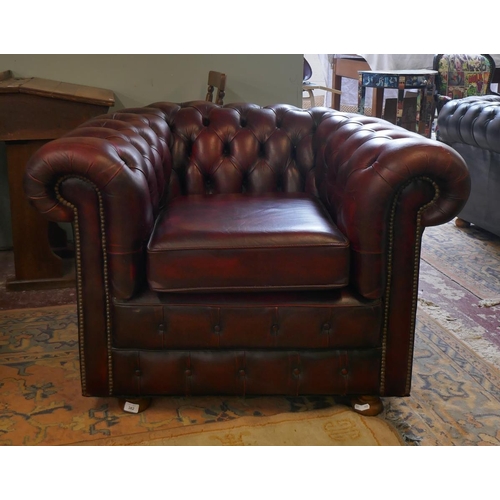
x: 134, y: 405
x: 367, y: 405
x: 461, y: 223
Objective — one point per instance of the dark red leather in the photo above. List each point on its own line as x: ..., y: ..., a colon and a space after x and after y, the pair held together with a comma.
x: 246, y: 242
x: 246, y: 372
x: 335, y: 319
x: 375, y: 187
x: 363, y: 167
x: 241, y: 147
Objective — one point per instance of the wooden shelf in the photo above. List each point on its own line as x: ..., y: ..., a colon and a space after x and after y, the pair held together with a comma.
x: 39, y: 110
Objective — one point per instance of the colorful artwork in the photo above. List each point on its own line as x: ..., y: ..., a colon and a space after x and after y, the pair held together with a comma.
x: 462, y: 75
x: 421, y: 80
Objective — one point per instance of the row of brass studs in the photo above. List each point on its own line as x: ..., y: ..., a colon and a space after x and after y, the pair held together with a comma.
x: 106, y: 290
x: 416, y: 267
x: 79, y: 285
x: 414, y: 283
x: 81, y: 326
x: 387, y: 294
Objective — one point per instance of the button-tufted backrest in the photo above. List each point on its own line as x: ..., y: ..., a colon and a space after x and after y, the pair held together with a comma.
x: 241, y: 147
x: 472, y: 121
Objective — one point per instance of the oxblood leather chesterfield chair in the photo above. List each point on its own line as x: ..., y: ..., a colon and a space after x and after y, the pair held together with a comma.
x: 245, y: 250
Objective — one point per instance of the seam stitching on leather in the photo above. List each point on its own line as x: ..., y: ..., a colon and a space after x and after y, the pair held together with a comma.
x: 388, y: 288
x: 79, y: 287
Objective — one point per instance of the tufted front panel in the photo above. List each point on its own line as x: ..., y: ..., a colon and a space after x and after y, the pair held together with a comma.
x: 241, y: 147
x: 246, y: 372
x: 335, y: 319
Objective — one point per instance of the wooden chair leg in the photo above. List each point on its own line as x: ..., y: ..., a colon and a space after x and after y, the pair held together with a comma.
x: 367, y: 405
x: 461, y: 223
x: 134, y: 405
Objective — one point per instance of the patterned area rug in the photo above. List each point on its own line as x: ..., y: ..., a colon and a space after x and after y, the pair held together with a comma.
x: 41, y: 403
x: 460, y: 285
x: 470, y: 256
x: 335, y: 426
x: 455, y: 396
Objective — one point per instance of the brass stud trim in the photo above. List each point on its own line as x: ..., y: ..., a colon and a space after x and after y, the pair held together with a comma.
x: 79, y: 283
x: 388, y: 288
x: 416, y: 267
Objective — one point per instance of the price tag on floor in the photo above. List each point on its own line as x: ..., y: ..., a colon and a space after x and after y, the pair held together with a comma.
x: 131, y: 407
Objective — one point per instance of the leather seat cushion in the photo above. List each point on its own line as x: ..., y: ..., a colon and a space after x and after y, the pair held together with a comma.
x: 275, y: 241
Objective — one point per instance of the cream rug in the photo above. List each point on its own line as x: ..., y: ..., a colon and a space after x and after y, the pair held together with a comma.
x: 335, y: 426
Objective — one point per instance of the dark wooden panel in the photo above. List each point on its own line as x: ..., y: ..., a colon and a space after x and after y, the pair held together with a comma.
x: 32, y: 117
x: 32, y: 112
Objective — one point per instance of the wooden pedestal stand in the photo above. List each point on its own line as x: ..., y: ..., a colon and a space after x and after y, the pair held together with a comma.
x: 34, y: 111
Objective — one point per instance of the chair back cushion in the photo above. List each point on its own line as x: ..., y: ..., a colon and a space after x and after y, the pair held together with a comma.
x: 241, y: 147
x: 245, y: 242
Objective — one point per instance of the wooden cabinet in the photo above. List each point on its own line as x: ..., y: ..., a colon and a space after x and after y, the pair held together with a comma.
x: 34, y: 111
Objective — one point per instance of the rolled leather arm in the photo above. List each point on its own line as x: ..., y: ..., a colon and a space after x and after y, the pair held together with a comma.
x: 125, y: 159
x: 473, y: 120
x: 367, y: 163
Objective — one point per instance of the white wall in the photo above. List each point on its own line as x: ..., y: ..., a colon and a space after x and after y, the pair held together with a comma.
x: 138, y: 80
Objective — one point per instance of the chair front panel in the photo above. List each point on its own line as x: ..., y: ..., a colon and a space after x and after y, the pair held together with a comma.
x: 246, y: 372
x: 337, y: 319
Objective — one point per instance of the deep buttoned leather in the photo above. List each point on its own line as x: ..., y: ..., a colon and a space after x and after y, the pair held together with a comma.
x: 471, y: 126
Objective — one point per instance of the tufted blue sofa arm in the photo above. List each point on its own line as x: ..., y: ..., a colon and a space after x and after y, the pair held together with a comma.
x: 471, y: 126
x: 472, y: 120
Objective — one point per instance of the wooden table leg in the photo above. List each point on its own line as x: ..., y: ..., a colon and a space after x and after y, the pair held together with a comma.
x: 377, y: 102
x: 337, y: 84
x: 401, y: 97
x: 36, y: 265
x: 361, y: 96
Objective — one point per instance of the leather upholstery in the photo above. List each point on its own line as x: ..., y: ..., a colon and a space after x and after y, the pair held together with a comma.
x: 246, y: 372
x: 246, y: 242
x: 335, y: 319
x: 346, y: 198
x: 471, y: 126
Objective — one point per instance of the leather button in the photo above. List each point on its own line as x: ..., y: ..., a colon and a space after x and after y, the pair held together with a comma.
x: 138, y: 373
x: 344, y: 371
x: 275, y: 329
x: 217, y: 328
x: 296, y: 372
x: 242, y: 373
x: 326, y: 327
x: 188, y: 373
